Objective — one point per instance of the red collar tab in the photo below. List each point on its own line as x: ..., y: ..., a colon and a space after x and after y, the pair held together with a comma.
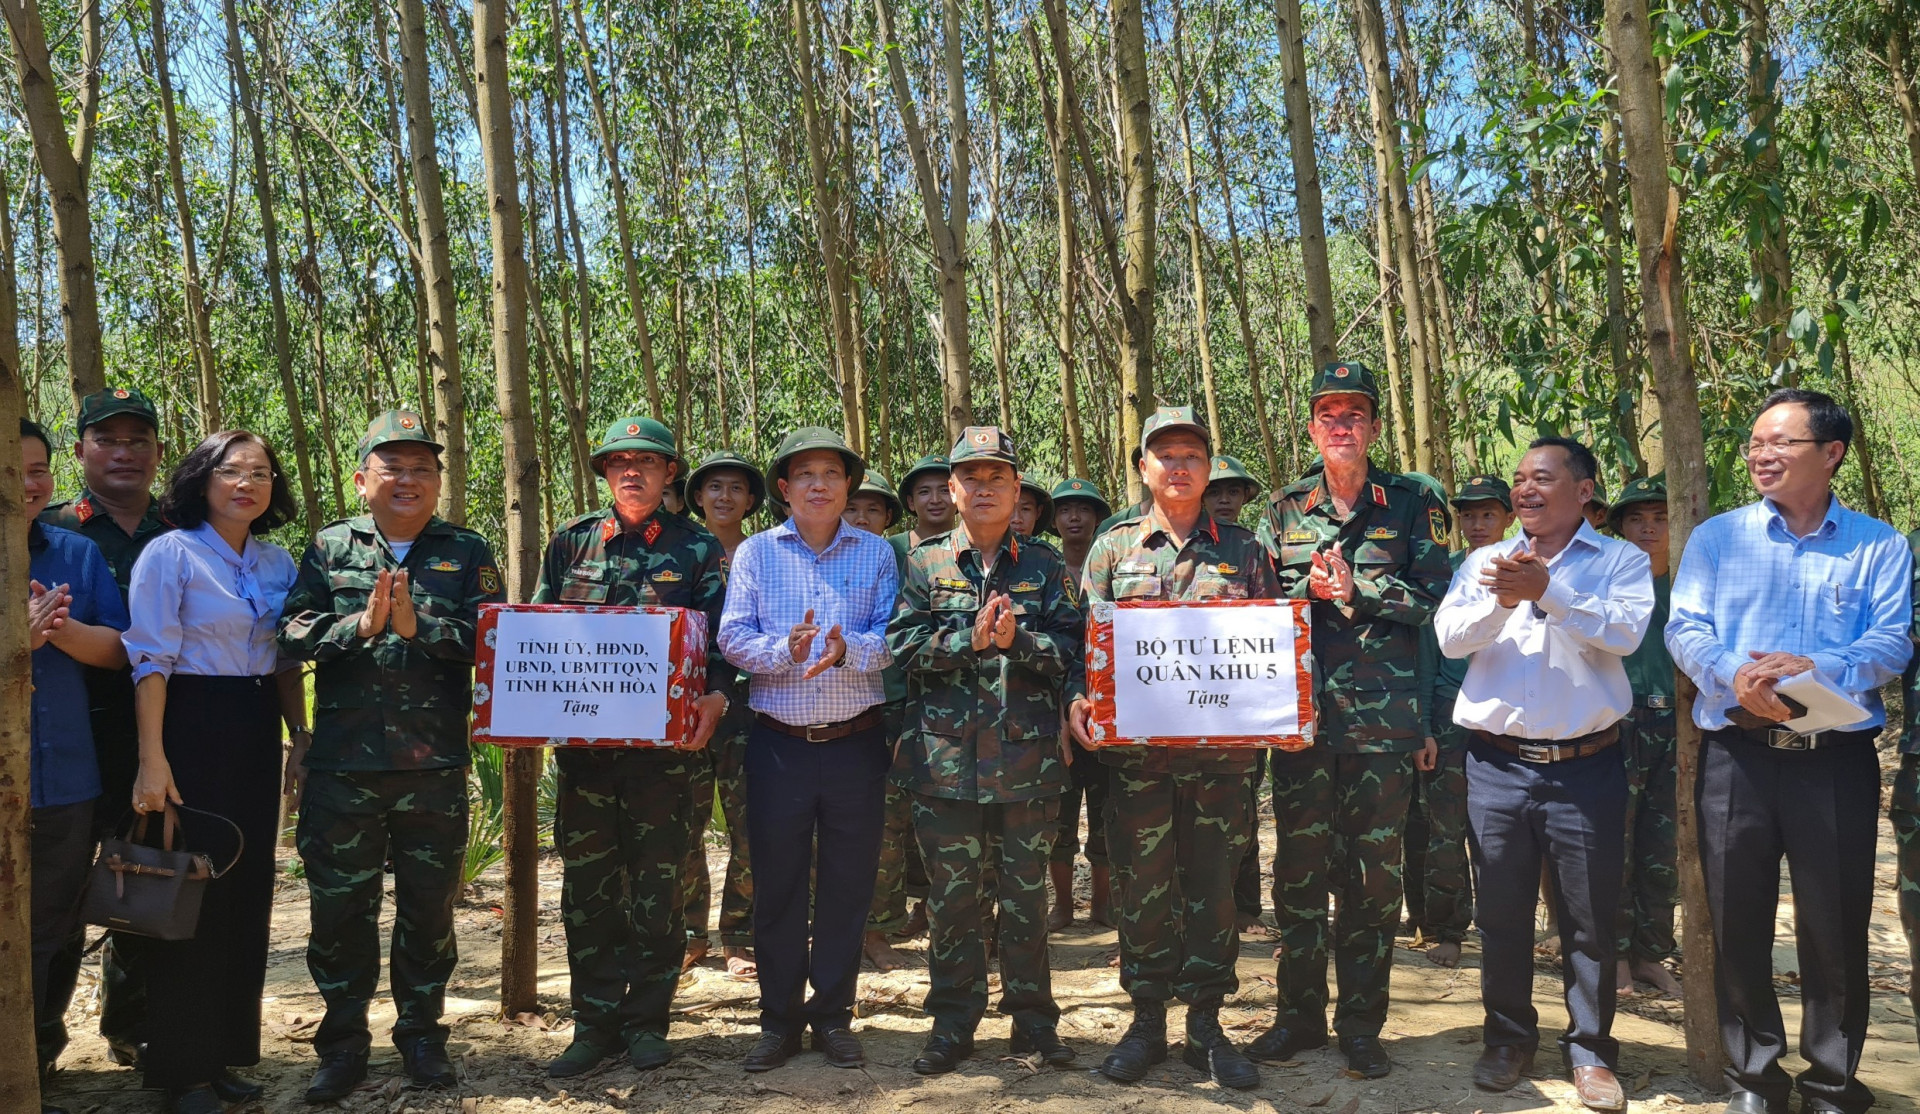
x: 1313, y: 497
x: 1379, y: 494
x: 609, y: 528
x: 83, y: 510
x: 652, y: 532
x: 1213, y: 530
x: 1013, y: 545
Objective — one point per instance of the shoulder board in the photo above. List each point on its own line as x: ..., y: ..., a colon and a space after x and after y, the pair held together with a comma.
x: 934, y: 539
x: 579, y: 520
x: 338, y: 522
x: 1041, y: 544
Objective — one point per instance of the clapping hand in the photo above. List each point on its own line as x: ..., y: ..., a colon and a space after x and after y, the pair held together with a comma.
x: 1522, y: 576
x: 800, y: 644
x: 46, y: 612
x: 1331, y: 577
x: 400, y: 614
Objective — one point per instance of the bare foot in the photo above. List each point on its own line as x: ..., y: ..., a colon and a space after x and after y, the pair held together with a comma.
x: 881, y: 954
x: 1655, y: 972
x: 1114, y: 959
x: 916, y: 921
x: 1623, y: 979
x: 740, y: 964
x: 1446, y: 953
x: 1059, y: 918
x: 696, y: 951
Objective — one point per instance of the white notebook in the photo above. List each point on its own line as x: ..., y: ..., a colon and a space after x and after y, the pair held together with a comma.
x: 1827, y: 706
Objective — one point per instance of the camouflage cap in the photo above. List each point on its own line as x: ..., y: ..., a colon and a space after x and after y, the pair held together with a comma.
x: 1478, y: 489
x: 720, y: 461
x: 932, y: 462
x: 984, y: 442
x: 875, y: 483
x: 1077, y: 488
x: 1344, y: 377
x: 114, y: 401
x: 1652, y: 489
x: 1037, y: 487
x: 1229, y: 468
x: 395, y: 425
x: 1171, y: 419
x: 636, y: 435
x: 807, y: 439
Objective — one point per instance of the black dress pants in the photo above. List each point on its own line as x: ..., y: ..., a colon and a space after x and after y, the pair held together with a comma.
x: 1820, y: 810
x: 800, y: 796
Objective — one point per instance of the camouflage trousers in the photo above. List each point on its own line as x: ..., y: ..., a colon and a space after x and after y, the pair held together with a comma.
x: 721, y: 770
x: 621, y: 826
x: 902, y: 873
x: 961, y: 841
x: 1651, y: 886
x: 1174, y: 841
x: 1438, y: 880
x: 350, y: 823
x: 1904, y: 811
x: 1340, y: 819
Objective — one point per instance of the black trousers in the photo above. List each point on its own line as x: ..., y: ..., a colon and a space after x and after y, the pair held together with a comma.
x: 1246, y: 880
x: 1820, y: 810
x: 1572, y: 815
x: 222, y: 739
x: 62, y: 852
x: 800, y: 796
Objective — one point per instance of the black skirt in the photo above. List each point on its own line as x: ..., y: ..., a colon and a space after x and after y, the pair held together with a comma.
x: 222, y: 737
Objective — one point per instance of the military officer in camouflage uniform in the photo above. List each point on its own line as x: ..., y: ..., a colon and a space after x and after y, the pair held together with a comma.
x: 1369, y: 548
x: 1438, y: 880
x: 1230, y: 487
x: 1651, y: 887
x: 1177, y: 819
x: 385, y: 607
x: 1903, y: 808
x: 1078, y: 508
x: 621, y: 820
x: 119, y: 449
x: 986, y: 630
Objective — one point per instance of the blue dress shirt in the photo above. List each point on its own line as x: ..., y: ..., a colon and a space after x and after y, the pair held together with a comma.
x: 1838, y: 596
x: 775, y: 577
x: 200, y: 608
x: 63, y: 770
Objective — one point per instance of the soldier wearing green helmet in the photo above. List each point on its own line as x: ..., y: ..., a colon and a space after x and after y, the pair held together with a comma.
x: 1033, y: 514
x: 621, y: 821
x: 1230, y: 487
x: 1078, y: 508
x: 873, y: 506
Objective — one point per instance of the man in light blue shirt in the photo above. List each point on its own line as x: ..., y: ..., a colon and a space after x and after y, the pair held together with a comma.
x: 806, y: 614
x: 1792, y: 583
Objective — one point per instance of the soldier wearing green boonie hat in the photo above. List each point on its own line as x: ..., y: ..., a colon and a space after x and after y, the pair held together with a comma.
x: 1077, y: 488
x: 1035, y: 488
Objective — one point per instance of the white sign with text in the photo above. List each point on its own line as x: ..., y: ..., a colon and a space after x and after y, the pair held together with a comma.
x: 1196, y: 672
x: 581, y: 675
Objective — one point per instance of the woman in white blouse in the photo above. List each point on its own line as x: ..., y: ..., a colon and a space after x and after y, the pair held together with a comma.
x: 209, y: 690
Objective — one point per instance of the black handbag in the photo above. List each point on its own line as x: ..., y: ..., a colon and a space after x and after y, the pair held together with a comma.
x: 153, y: 891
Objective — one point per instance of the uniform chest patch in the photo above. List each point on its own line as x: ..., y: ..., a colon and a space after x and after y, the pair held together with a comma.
x: 1297, y: 537
x: 444, y: 565
x: 951, y: 582
x: 1225, y: 569
x: 666, y: 576
x: 1381, y: 533
x: 1134, y: 568
x: 489, y: 579
x: 1025, y: 586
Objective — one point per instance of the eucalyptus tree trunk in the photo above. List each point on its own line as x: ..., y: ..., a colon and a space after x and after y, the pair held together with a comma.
x: 1626, y: 385
x: 307, y: 275
x: 1196, y: 254
x: 1306, y: 179
x: 422, y: 342
x: 1900, y: 65
x: 519, y: 946
x: 436, y: 261
x: 1052, y: 113
x: 1140, y: 193
x: 997, y: 229
x: 64, y: 160
x: 946, y: 221
x: 1771, y: 261
x: 1663, y: 309
x: 828, y: 226
x: 276, y: 281
x: 211, y: 417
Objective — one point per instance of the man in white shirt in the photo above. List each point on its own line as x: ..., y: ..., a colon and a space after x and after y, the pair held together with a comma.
x: 1549, y: 617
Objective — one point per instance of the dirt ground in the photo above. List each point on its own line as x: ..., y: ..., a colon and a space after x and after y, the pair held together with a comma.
x: 1433, y: 1035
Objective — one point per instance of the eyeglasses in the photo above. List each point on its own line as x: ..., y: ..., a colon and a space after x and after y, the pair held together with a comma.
x: 139, y: 446
x: 1782, y: 447
x: 258, y: 477
x: 395, y: 475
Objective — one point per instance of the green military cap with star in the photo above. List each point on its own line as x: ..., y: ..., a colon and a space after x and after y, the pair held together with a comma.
x: 984, y: 442
x: 113, y: 401
x: 637, y: 435
x: 1229, y: 468
x: 1172, y: 419
x: 1077, y: 488
x: 1651, y: 489
x: 720, y: 460
x: 1481, y: 488
x: 807, y: 439
x: 392, y: 426
x: 932, y: 462
x: 1343, y: 377
x: 875, y: 483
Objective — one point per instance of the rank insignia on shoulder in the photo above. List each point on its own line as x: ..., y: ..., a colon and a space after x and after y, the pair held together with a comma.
x: 444, y: 565
x: 1297, y: 537
x: 1381, y: 533
x: 951, y: 582
x: 666, y: 576
x: 1225, y: 569
x: 1025, y: 586
x: 83, y: 510
x: 1437, y: 520
x: 489, y: 579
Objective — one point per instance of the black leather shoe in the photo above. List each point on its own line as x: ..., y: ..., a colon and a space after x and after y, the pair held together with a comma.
x: 427, y: 1065
x: 232, y: 1088
x: 194, y: 1100
x: 126, y: 1053
x: 1143, y: 1045
x: 1043, y: 1039
x: 1280, y: 1044
x: 339, y: 1074
x: 840, y: 1047
x: 942, y: 1054
x: 1365, y: 1057
x: 1749, y: 1102
x: 1209, y: 1050
x: 1501, y: 1067
x: 771, y: 1051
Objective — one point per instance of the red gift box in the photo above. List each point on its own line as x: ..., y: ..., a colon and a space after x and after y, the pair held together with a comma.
x: 1100, y: 676
x: 685, y: 678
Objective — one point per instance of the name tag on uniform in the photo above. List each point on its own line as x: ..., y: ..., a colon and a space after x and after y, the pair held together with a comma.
x: 1134, y: 568
x: 950, y: 582
x: 1296, y: 537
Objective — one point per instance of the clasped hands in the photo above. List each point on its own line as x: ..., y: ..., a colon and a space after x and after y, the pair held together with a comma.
x: 47, y: 610
x: 1753, y: 683
x: 390, y: 607
x: 1522, y: 576
x: 993, y: 624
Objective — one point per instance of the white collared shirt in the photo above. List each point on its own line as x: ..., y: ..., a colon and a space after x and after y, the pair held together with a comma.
x: 1555, y: 669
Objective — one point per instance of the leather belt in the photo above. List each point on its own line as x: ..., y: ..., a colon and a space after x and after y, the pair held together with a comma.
x: 1783, y: 738
x: 1552, y: 750
x: 1658, y: 701
x: 824, y: 732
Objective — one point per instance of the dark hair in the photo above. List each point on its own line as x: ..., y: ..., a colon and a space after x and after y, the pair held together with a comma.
x: 30, y: 428
x: 1827, y: 420
x: 184, y: 503
x: 1580, y: 459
